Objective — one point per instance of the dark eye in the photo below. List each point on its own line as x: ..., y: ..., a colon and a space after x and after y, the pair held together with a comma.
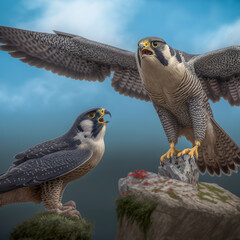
x: 91, y: 115
x: 155, y: 44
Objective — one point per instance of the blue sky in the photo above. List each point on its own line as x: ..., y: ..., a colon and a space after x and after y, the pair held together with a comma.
x: 36, y: 105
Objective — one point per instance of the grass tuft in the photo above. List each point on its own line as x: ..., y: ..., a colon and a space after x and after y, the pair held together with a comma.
x: 135, y: 210
x: 51, y: 226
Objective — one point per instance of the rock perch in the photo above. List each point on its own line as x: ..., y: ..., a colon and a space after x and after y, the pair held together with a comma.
x: 183, y: 210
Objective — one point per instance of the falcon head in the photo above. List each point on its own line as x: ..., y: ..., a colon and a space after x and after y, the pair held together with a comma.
x: 91, y: 124
x: 156, y: 48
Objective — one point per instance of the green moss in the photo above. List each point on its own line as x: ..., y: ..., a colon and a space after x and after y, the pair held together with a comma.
x: 200, y: 187
x: 202, y: 195
x: 212, y: 188
x: 51, y: 226
x: 134, y: 210
x: 217, y: 192
x: 238, y: 208
x: 222, y: 198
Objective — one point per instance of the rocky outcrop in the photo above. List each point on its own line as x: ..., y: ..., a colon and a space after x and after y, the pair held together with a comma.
x: 183, y: 168
x: 181, y: 210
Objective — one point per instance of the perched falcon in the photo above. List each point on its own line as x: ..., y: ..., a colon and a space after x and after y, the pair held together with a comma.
x: 41, y: 173
x: 178, y: 84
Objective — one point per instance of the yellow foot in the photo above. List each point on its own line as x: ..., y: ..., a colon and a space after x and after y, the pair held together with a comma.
x: 171, y: 152
x: 191, y: 151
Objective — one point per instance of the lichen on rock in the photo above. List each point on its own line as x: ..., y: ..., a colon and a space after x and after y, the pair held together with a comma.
x: 183, y: 211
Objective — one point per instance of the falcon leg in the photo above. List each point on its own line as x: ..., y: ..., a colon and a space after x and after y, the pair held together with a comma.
x: 170, y: 127
x: 51, y: 194
x: 199, y: 122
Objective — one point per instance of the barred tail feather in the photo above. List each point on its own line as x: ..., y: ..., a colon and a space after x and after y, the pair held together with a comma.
x: 225, y: 157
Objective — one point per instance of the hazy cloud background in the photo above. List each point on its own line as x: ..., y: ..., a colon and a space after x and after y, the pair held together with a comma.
x: 224, y: 36
x: 100, y: 20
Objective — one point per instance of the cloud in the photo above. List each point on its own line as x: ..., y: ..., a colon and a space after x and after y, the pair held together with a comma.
x: 100, y: 20
x: 42, y: 92
x: 224, y: 36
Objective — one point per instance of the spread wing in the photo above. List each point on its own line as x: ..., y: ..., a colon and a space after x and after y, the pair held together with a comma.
x: 219, y: 73
x: 75, y: 57
x: 39, y: 170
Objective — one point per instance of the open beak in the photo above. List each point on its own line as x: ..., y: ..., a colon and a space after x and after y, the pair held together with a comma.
x: 145, y: 50
x: 103, y: 112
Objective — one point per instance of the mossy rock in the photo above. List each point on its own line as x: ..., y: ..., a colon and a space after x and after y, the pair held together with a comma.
x: 51, y: 226
x: 214, y: 190
x: 135, y: 210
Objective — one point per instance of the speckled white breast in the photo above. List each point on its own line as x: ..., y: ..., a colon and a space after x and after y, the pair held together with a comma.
x: 161, y: 81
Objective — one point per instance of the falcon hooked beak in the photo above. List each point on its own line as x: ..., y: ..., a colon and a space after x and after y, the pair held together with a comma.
x: 145, y: 49
x: 103, y: 112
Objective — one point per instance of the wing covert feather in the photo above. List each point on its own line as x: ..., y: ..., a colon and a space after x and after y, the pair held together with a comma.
x: 36, y: 171
x: 219, y: 73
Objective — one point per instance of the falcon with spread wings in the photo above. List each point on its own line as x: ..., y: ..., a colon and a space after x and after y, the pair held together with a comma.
x: 178, y: 84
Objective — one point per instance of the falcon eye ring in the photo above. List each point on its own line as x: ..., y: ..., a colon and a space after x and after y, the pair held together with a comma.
x: 91, y: 115
x: 155, y: 44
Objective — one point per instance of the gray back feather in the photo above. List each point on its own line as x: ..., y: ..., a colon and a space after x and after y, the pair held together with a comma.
x: 38, y: 170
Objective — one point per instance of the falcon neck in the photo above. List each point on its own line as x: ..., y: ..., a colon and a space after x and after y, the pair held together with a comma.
x: 161, y: 79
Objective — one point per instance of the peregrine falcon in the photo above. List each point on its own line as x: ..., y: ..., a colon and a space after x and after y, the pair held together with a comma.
x: 41, y: 173
x: 178, y: 84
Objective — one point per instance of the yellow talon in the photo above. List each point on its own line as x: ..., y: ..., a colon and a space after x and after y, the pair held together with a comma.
x: 191, y: 151
x: 171, y: 152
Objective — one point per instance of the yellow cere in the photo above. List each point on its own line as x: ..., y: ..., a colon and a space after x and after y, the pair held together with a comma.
x: 100, y: 119
x: 101, y: 111
x: 146, y: 43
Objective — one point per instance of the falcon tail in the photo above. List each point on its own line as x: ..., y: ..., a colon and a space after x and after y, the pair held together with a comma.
x: 19, y: 195
x: 225, y: 157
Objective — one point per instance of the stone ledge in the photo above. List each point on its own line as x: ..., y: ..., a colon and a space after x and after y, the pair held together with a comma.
x: 184, y: 211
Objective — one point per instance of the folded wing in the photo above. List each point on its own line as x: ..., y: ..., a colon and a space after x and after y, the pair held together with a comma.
x: 37, y: 171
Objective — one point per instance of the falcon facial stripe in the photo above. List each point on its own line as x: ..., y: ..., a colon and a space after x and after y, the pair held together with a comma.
x: 161, y: 58
x: 172, y: 51
x: 178, y: 57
